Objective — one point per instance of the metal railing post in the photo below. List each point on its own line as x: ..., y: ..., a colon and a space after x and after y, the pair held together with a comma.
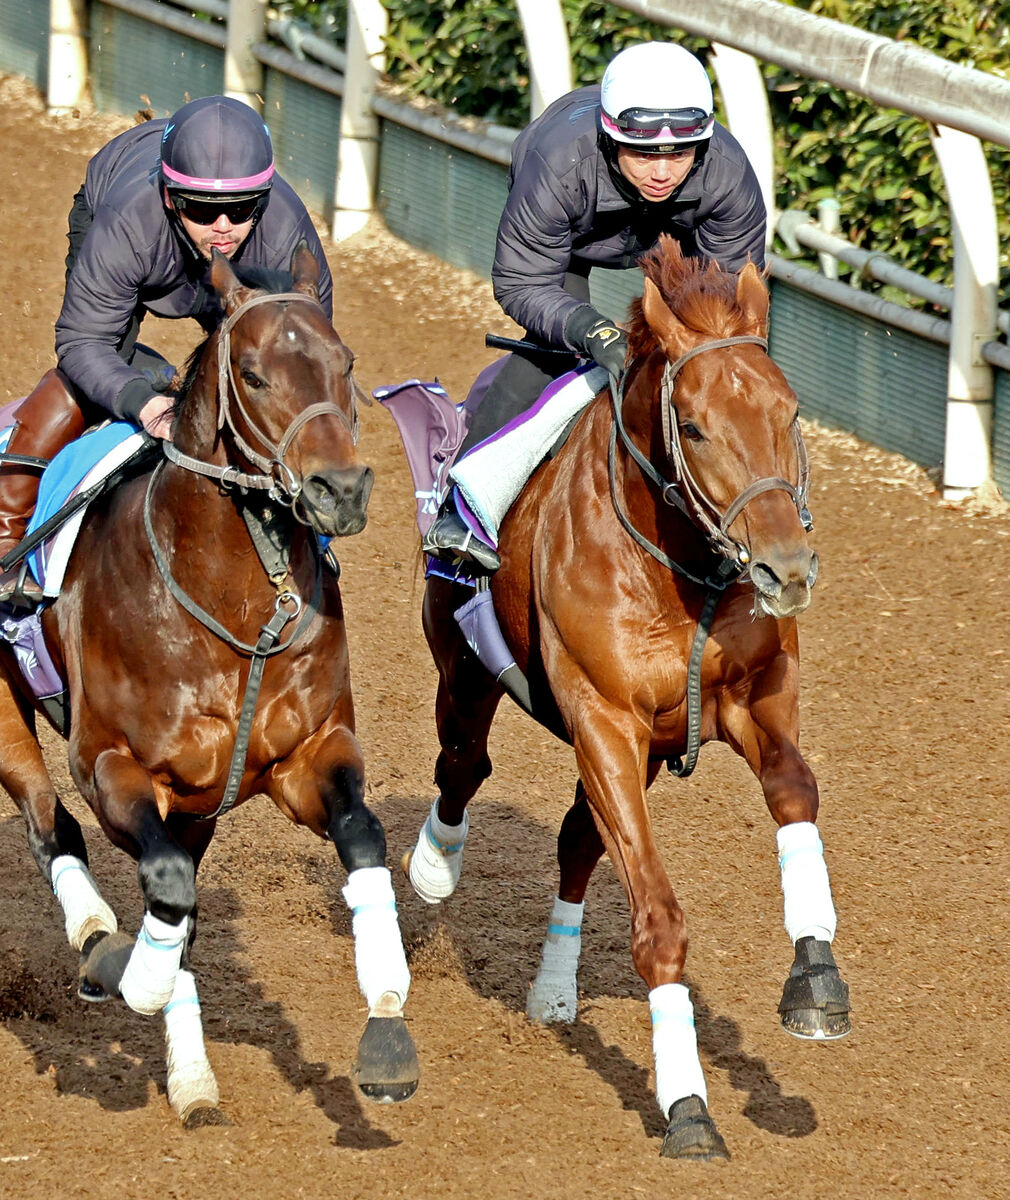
x: 749, y: 118
x: 358, y: 149
x: 243, y: 72
x: 967, y: 460
x: 550, y: 55
x: 68, y: 54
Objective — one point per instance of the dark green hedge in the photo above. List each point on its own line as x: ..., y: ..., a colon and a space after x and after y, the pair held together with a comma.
x: 470, y: 56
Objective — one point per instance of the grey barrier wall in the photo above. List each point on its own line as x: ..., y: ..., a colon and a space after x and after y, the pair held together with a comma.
x: 24, y: 40
x: 884, y: 385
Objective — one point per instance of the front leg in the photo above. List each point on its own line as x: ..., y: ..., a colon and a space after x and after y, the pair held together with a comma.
x: 322, y: 786
x: 611, y: 748
x: 815, y: 999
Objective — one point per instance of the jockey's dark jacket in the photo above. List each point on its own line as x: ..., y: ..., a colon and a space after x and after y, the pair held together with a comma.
x: 569, y: 209
x: 133, y: 261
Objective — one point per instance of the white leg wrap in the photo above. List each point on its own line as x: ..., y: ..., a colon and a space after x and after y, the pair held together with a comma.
x: 191, y: 1081
x: 378, y: 949
x: 806, y: 891
x: 438, y: 857
x: 554, y: 996
x: 83, y: 907
x: 675, y: 1046
x: 149, y: 978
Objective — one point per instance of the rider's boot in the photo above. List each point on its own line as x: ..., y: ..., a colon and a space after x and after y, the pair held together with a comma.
x: 450, y: 537
x: 48, y: 419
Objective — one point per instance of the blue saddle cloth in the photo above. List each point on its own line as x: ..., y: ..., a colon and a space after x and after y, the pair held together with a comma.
x: 84, y: 461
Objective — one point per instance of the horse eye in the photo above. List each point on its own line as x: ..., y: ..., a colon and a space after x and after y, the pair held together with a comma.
x: 252, y: 379
x: 691, y: 432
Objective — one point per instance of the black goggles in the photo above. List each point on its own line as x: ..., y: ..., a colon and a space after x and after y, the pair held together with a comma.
x: 206, y: 210
x: 646, y: 123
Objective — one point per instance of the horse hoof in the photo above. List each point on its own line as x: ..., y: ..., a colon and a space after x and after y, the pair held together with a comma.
x: 200, y: 1115
x: 815, y: 1025
x: 88, y: 989
x: 691, y: 1133
x: 387, y: 1070
x: 815, y: 999
x: 405, y: 863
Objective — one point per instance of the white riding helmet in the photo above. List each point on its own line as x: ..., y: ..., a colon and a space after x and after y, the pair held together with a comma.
x: 655, y: 95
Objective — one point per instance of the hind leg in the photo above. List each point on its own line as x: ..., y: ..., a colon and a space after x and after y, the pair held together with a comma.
x: 54, y: 836
x: 553, y: 995
x: 464, y: 708
x: 322, y: 786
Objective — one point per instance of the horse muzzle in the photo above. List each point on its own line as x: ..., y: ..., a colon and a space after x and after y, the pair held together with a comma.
x: 783, y: 585
x: 335, y: 502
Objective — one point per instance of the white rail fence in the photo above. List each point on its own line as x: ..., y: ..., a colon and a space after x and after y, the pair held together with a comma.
x: 963, y: 108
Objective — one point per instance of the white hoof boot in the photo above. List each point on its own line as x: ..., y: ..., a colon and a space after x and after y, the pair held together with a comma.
x: 437, y: 859
x: 553, y: 997
x: 84, y: 910
x: 191, y: 1082
x: 150, y: 976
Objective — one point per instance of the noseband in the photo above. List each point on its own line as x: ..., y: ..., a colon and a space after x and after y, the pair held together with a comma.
x: 684, y: 491
x: 277, y: 477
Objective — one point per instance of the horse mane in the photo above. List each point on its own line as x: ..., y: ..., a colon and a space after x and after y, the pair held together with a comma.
x: 700, y: 292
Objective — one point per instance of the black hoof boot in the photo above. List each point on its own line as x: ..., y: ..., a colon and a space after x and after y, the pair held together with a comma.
x: 692, y: 1134
x: 387, y: 1069
x: 815, y: 1000
x: 450, y: 537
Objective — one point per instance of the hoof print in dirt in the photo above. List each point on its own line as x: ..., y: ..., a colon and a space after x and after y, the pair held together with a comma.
x: 815, y: 1000
x: 691, y: 1133
x: 387, y: 1069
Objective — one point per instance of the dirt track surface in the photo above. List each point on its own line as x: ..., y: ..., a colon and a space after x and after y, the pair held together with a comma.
x: 905, y: 724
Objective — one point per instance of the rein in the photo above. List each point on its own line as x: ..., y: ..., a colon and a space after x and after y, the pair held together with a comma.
x: 684, y: 492
x: 282, y: 486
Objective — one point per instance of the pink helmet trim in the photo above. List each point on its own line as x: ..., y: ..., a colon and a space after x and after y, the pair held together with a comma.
x: 248, y: 184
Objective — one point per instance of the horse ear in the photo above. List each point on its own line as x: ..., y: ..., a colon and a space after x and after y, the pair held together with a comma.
x: 752, y: 299
x: 305, y: 270
x: 226, y: 283
x: 671, y: 333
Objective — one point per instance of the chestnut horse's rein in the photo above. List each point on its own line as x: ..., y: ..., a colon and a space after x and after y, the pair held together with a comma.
x: 685, y: 494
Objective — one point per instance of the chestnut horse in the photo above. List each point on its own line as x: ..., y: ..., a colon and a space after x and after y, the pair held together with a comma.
x: 652, y: 572
x: 201, y: 635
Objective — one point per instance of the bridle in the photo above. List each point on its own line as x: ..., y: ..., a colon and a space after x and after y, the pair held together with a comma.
x: 282, y: 486
x: 275, y: 476
x: 684, y: 492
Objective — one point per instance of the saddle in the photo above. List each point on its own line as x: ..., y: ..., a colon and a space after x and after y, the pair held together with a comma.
x: 488, y: 479
x: 77, y: 475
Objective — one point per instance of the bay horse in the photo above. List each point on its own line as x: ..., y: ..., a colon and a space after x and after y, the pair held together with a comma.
x: 201, y: 635
x: 652, y: 573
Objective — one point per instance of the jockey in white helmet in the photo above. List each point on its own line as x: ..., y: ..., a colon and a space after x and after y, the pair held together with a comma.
x: 595, y: 180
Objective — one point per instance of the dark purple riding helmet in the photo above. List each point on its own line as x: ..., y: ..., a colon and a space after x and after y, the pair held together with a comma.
x: 217, y: 149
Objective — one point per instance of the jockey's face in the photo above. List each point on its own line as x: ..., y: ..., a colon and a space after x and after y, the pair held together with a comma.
x: 655, y: 176
x: 222, y: 235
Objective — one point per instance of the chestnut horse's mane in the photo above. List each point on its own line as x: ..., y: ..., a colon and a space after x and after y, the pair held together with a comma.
x: 699, y: 292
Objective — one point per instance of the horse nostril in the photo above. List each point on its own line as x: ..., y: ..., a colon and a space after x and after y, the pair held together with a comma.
x: 765, y: 580
x: 812, y: 573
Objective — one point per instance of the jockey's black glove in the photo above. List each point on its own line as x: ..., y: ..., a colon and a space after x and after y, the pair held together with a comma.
x: 594, y: 336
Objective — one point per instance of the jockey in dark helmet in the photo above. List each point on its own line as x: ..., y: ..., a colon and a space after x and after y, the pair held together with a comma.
x: 156, y: 202
x: 594, y: 181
